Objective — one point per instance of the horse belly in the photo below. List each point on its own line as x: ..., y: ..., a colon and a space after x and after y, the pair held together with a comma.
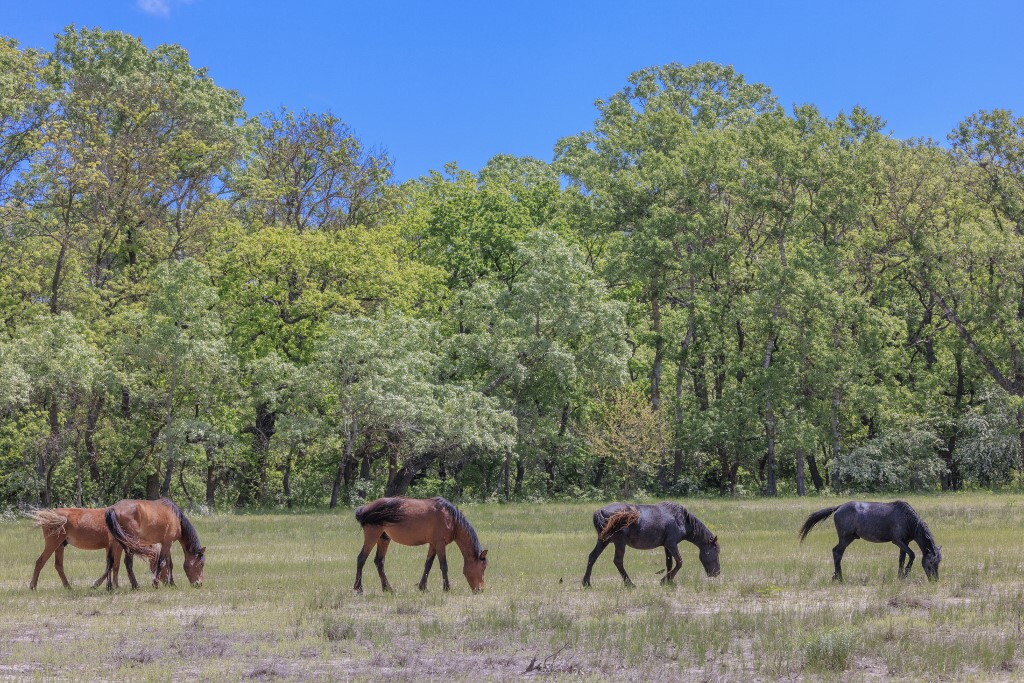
x: 644, y: 543
x: 406, y: 536
x: 88, y: 539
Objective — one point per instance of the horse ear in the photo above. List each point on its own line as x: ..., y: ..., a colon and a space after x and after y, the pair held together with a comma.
x: 483, y: 554
x: 715, y: 539
x: 202, y: 551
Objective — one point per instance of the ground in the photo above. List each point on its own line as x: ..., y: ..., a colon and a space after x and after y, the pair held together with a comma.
x: 278, y: 604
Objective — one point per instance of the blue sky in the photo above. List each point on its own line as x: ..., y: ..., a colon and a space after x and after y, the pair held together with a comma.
x: 434, y: 82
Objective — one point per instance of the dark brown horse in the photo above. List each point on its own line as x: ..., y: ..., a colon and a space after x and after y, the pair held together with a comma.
x: 411, y: 521
x: 83, y: 528
x: 895, y: 523
x: 649, y: 526
x: 141, y: 525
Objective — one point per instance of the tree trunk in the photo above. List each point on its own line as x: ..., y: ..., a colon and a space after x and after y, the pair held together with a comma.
x: 812, y: 465
x: 153, y: 485
x: 659, y: 350
x: 769, y: 420
x: 211, y: 481
x: 92, y: 419
x: 346, y: 457
x: 800, y: 486
x: 165, y: 490
x: 255, y: 475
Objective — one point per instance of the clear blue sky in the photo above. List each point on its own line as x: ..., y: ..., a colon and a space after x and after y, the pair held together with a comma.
x: 440, y: 81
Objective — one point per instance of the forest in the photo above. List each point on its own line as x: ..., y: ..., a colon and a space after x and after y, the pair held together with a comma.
x: 706, y: 292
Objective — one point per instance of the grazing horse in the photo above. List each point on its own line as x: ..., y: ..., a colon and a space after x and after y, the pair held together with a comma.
x: 142, y: 525
x: 83, y: 528
x: 895, y: 522
x: 649, y: 526
x: 413, y: 521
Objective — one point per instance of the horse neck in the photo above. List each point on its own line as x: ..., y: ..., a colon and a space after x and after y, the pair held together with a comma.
x: 697, y: 534
x: 465, y: 542
x: 924, y: 538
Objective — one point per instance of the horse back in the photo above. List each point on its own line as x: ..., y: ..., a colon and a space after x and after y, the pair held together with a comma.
x: 85, y: 528
x: 877, y: 522
x: 151, y: 521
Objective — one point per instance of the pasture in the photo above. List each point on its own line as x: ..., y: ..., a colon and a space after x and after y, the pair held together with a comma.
x: 278, y: 603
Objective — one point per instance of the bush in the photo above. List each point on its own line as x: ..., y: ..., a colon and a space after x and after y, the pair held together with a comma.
x: 831, y: 650
x: 897, y: 460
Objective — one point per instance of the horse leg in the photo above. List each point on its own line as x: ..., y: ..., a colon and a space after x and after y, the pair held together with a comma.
x: 903, y: 558
x: 905, y: 549
x: 370, y: 536
x: 115, y: 567
x: 165, y: 555
x: 52, y: 542
x: 620, y: 552
x: 58, y: 564
x: 128, y: 559
x: 594, y: 554
x: 672, y: 553
x: 837, y: 556
x: 378, y: 561
x: 426, y: 567
x: 443, y: 561
x: 106, y: 573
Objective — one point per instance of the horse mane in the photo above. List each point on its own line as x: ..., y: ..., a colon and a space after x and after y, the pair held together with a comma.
x: 922, y: 534
x: 699, y: 532
x: 461, y: 522
x: 189, y: 535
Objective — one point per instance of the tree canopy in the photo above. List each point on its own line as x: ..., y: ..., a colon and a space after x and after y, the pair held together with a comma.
x: 703, y: 292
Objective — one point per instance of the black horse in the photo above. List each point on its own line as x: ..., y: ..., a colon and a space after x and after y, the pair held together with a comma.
x: 895, y: 522
x: 648, y: 526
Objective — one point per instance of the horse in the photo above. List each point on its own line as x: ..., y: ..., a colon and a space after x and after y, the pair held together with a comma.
x: 159, y: 523
x: 414, y: 521
x: 894, y: 522
x: 83, y: 528
x: 649, y: 526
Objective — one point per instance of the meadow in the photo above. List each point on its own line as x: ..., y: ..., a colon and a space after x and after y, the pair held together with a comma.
x: 277, y: 604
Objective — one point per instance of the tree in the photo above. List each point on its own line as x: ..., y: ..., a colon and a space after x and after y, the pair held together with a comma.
x: 310, y: 172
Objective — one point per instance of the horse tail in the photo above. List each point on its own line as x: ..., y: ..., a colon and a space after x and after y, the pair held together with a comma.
x: 50, y: 521
x: 814, y: 519
x: 130, y: 544
x: 618, y: 520
x: 381, y: 511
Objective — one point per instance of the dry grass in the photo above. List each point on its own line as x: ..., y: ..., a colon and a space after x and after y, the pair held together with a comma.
x: 278, y: 605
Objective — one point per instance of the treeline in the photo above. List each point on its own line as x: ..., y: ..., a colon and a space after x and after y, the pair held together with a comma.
x: 705, y: 292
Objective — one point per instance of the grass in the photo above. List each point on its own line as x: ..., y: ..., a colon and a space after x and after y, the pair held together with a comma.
x: 277, y: 604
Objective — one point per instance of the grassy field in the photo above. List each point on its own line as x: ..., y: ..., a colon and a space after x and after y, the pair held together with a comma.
x: 278, y: 604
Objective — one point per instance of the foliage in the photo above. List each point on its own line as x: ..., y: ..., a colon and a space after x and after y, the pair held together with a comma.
x: 703, y: 292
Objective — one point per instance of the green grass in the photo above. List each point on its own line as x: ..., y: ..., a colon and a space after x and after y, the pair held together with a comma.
x: 277, y: 604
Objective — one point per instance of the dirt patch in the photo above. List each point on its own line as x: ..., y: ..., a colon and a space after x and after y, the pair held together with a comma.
x: 268, y: 671
x: 907, y: 602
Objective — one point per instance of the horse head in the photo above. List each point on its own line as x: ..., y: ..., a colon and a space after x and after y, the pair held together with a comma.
x: 474, y: 570
x: 709, y: 557
x: 194, y: 565
x: 930, y: 562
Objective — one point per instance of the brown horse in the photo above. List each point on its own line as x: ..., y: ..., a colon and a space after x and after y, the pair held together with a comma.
x: 83, y: 528
x: 412, y: 521
x: 140, y: 526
